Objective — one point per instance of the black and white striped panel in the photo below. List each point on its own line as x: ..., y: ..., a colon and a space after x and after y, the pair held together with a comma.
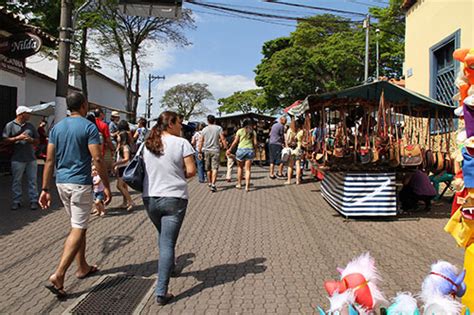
x: 361, y: 194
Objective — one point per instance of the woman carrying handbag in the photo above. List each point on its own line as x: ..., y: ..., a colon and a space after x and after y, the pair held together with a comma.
x: 169, y: 161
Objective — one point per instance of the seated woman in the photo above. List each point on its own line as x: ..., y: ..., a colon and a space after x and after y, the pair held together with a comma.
x: 416, y: 187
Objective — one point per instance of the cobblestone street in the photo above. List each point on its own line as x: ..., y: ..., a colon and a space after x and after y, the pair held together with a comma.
x: 265, y: 251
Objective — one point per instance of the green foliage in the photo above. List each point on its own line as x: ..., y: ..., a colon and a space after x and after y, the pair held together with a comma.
x: 186, y: 99
x: 327, y: 53
x: 245, y: 101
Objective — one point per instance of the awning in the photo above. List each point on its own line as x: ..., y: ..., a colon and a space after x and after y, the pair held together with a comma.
x: 46, y: 109
x: 297, y: 108
x: 401, y: 99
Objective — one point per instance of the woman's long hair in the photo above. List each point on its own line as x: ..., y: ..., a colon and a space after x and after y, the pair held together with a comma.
x: 248, y: 125
x: 154, y: 143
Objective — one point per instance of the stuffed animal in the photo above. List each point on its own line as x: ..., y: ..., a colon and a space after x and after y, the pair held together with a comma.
x: 404, y: 304
x: 465, y: 79
x: 357, y: 287
x: 440, y: 289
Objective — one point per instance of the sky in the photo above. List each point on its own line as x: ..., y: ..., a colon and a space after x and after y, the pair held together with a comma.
x: 225, y: 49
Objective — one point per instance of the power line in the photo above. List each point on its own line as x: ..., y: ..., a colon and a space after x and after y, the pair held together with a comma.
x: 265, y: 15
x: 315, y: 8
x: 226, y: 14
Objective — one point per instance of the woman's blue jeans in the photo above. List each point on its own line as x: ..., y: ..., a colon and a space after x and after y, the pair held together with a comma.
x: 200, y: 169
x: 167, y: 214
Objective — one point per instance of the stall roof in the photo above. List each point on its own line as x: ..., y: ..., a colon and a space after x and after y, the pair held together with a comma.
x: 245, y: 115
x: 403, y: 100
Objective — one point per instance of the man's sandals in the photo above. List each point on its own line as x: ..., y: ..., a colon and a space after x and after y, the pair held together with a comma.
x: 59, y: 292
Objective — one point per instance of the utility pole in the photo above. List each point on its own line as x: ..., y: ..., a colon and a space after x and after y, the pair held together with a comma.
x: 62, y: 79
x: 377, y: 52
x: 151, y: 79
x: 66, y: 38
x: 367, y: 29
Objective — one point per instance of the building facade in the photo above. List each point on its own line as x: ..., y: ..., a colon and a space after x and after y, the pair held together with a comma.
x: 434, y: 29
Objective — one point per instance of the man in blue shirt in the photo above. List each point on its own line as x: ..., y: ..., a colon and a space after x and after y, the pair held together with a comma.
x: 73, y: 144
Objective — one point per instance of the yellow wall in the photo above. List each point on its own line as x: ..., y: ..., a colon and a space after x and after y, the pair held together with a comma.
x: 427, y: 23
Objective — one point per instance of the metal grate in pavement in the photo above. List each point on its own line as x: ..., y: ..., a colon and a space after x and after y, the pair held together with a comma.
x: 114, y: 295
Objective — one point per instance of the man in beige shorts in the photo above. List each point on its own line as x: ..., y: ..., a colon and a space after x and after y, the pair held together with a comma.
x: 73, y: 143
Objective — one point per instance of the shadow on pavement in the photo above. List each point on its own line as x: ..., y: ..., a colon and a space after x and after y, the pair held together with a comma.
x: 220, y: 274
x: 150, y: 268
x: 11, y: 221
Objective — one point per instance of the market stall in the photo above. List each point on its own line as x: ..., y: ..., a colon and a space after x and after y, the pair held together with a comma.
x: 370, y: 137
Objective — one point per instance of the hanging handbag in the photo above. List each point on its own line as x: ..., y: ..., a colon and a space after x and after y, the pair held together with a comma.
x: 410, y: 154
x: 394, y: 145
x: 365, y: 155
x: 134, y: 173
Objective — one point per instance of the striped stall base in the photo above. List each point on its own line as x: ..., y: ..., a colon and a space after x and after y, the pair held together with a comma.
x: 361, y: 194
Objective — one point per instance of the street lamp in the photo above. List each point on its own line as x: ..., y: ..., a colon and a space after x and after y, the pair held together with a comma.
x: 151, y: 79
x: 170, y: 9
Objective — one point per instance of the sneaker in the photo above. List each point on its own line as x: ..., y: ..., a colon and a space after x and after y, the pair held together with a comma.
x: 209, y: 185
x: 34, y: 206
x: 163, y: 300
x: 213, y: 188
x: 15, y: 206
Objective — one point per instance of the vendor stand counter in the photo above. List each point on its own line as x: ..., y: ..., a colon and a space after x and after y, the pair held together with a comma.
x: 361, y: 194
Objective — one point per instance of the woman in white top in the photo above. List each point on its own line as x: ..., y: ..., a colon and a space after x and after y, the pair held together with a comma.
x: 169, y: 161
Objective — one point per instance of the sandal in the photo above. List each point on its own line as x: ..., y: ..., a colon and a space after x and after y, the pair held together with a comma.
x: 130, y: 207
x: 238, y: 186
x: 91, y: 271
x: 59, y: 292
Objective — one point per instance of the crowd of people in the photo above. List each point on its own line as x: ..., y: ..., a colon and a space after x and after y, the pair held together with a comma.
x: 76, y: 150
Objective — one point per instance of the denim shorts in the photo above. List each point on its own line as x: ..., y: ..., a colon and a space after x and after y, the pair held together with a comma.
x: 99, y: 195
x: 244, y: 154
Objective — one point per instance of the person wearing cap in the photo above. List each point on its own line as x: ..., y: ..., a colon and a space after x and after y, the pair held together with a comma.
x: 113, y: 128
x: 23, y: 136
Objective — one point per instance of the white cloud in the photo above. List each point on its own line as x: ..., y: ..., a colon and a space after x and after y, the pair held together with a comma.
x: 220, y: 86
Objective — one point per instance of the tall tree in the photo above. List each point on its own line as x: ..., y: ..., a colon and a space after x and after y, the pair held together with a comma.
x: 127, y: 36
x: 326, y: 52
x: 186, y: 99
x: 244, y: 101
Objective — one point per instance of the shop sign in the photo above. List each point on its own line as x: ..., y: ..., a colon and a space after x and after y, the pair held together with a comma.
x: 20, y: 46
x: 12, y: 65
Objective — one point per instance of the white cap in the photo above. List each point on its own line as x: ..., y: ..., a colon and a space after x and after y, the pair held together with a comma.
x: 22, y: 109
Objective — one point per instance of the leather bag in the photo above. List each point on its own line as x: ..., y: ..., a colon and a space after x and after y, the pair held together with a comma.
x: 410, y: 155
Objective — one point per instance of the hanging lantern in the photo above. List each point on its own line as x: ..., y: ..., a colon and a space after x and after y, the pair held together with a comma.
x: 170, y: 9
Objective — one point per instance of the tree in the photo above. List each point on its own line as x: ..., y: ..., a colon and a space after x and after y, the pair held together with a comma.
x: 127, y: 36
x: 327, y: 52
x: 245, y: 101
x: 186, y: 99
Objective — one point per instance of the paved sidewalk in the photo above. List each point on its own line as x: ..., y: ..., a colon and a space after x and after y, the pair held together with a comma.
x: 265, y: 251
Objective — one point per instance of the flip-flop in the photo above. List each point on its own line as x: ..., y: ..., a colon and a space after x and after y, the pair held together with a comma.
x: 59, y: 292
x: 91, y: 271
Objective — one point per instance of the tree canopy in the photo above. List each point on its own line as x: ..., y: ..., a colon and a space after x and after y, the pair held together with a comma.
x: 186, y: 99
x: 327, y: 52
x: 245, y: 102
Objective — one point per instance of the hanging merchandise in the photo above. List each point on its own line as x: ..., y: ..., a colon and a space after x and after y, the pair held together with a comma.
x: 410, y: 153
x: 365, y: 152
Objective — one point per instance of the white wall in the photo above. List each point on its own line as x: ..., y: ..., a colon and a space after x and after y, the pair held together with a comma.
x: 103, y: 92
x: 39, y: 90
x: 13, y: 80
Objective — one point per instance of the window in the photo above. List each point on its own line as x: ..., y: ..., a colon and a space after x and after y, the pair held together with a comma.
x: 443, y: 73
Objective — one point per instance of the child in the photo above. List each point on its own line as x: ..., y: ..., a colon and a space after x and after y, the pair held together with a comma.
x: 98, y: 193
